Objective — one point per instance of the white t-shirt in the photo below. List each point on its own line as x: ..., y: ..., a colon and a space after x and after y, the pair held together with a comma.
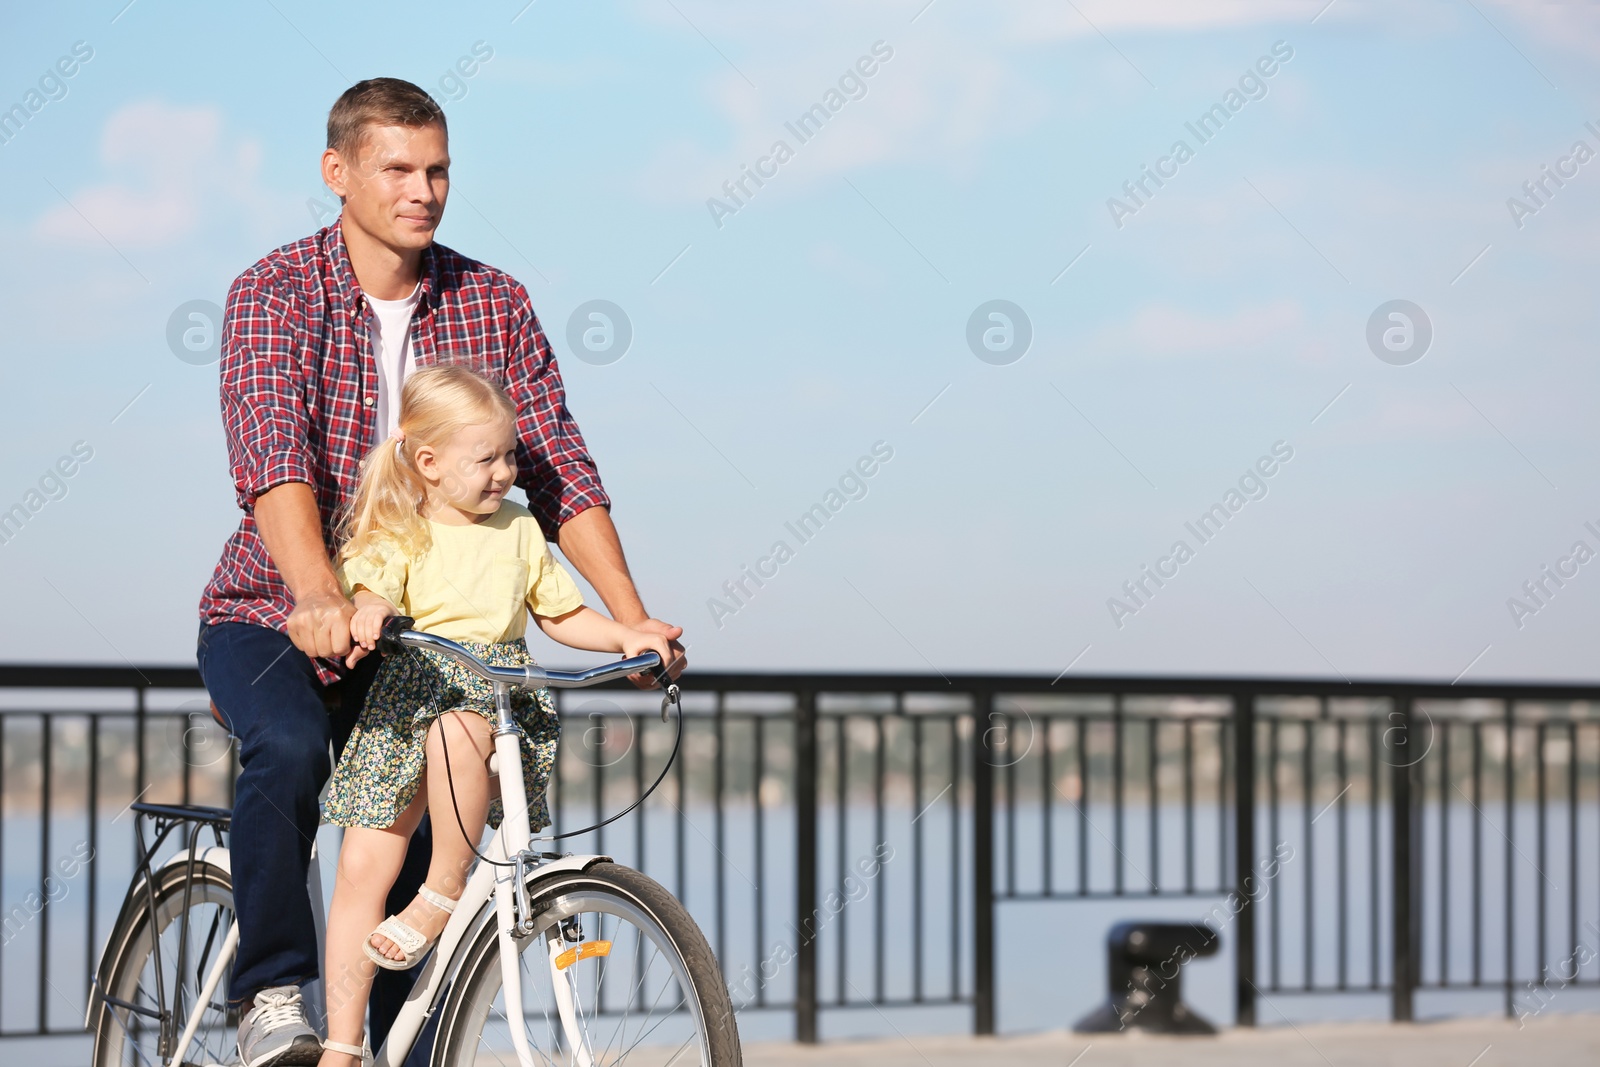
x: 390, y: 326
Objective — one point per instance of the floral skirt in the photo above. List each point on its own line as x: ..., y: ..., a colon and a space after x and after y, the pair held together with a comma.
x: 382, y: 766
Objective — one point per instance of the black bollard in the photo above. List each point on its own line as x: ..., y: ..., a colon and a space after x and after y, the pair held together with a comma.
x: 1144, y: 964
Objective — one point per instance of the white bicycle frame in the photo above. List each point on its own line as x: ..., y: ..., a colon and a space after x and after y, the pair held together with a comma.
x: 484, y: 883
x: 496, y: 881
x: 505, y: 880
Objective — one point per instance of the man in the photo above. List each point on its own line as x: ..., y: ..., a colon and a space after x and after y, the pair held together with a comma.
x: 316, y: 340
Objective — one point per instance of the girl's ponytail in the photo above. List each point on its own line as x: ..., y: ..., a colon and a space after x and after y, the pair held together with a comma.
x: 385, y: 505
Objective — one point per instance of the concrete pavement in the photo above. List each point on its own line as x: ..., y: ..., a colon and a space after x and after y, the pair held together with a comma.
x: 1552, y: 1041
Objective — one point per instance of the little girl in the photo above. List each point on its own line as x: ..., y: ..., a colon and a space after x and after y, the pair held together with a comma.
x: 430, y: 534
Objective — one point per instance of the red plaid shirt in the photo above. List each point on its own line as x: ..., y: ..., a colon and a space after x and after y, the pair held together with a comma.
x: 299, y: 389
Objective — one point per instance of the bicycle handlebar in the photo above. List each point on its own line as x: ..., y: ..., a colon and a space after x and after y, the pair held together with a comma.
x: 398, y: 634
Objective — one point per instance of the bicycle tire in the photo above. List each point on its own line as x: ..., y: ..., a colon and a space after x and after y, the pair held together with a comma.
x: 129, y: 947
x: 477, y: 981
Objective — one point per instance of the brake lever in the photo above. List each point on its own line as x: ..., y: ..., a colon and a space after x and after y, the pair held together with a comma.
x: 669, y: 689
x: 389, y: 636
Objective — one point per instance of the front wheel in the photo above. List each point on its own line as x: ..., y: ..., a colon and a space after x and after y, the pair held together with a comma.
x: 644, y: 986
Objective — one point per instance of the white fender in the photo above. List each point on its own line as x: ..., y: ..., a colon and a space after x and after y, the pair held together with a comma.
x: 564, y: 865
x: 216, y: 855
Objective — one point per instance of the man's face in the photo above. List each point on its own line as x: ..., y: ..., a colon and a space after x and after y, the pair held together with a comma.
x: 395, y: 188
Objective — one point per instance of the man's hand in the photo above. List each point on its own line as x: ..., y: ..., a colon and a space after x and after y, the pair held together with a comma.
x: 638, y: 642
x: 319, y: 625
x: 675, y: 663
x: 291, y: 528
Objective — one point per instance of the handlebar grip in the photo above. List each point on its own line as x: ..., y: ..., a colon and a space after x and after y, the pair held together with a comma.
x: 659, y: 672
x: 389, y: 636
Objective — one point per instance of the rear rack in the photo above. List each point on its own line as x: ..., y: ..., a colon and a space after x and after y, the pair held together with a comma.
x: 169, y: 815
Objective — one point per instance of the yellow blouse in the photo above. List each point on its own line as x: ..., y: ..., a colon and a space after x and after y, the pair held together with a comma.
x: 476, y: 583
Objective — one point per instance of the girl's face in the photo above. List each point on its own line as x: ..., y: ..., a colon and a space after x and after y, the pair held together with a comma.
x: 472, y: 471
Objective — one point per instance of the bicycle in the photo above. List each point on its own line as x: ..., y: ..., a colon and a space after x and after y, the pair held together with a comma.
x: 154, y: 999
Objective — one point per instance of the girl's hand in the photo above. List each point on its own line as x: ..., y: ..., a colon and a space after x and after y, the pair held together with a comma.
x: 674, y: 645
x: 586, y: 628
x: 638, y: 642
x: 367, y: 623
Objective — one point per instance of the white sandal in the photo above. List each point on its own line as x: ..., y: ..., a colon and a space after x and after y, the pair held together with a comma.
x: 407, y: 940
x: 362, y: 1051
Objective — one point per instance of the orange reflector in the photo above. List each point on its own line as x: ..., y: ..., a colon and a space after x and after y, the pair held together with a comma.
x: 582, y: 952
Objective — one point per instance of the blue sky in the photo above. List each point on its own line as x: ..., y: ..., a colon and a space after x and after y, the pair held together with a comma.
x: 830, y: 312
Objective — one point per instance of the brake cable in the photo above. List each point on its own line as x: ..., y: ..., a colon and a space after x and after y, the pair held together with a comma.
x: 670, y: 697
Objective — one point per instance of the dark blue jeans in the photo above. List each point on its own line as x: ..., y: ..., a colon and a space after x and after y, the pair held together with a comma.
x: 269, y: 697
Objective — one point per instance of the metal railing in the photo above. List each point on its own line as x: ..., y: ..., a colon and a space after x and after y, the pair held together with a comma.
x: 847, y: 840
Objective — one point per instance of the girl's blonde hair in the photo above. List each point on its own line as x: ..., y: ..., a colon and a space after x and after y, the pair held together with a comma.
x: 435, y: 403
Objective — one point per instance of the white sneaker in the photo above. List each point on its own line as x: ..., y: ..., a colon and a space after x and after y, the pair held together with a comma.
x: 275, y: 1033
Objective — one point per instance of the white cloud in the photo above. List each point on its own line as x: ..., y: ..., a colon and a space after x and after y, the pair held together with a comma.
x: 1032, y: 19
x: 175, y: 169
x: 1167, y: 329
x: 1048, y: 20
x: 1569, y: 27
x: 953, y: 86
x: 935, y: 102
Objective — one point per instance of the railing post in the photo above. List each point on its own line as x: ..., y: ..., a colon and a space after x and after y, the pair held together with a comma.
x: 138, y: 741
x: 1401, y: 766
x: 1244, y: 852
x: 1509, y: 788
x: 982, y: 865
x: 805, y: 866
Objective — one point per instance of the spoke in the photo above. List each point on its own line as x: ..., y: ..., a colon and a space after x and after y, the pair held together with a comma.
x: 187, y: 995
x: 644, y: 1035
x: 622, y: 1025
x: 212, y: 1039
x: 633, y: 994
x: 526, y: 968
x: 577, y: 1004
x: 551, y: 1028
x: 133, y: 1043
x: 605, y: 961
x: 678, y: 1053
x: 647, y: 1033
x: 484, y: 1044
x: 633, y: 1025
x: 579, y: 1017
x: 532, y: 1043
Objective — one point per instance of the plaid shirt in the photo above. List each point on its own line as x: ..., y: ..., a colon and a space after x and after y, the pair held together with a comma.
x: 299, y: 383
